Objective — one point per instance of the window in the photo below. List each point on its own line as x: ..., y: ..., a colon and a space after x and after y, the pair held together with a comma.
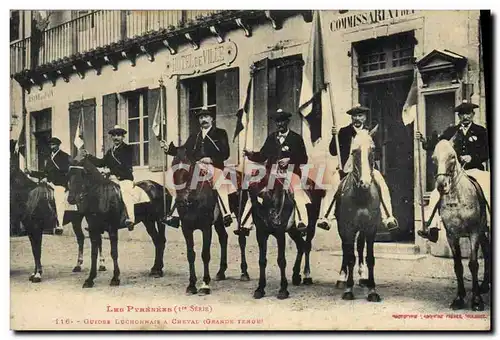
x: 387, y: 54
x: 41, y: 132
x: 138, y: 127
x: 14, y: 26
x: 202, y: 94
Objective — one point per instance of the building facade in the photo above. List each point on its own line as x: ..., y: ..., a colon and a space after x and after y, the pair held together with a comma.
x: 107, y: 65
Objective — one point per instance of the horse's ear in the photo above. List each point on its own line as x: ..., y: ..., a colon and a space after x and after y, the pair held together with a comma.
x: 373, y: 131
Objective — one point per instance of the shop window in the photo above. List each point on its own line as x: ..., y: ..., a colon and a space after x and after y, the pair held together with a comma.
x: 138, y: 127
x: 386, y: 54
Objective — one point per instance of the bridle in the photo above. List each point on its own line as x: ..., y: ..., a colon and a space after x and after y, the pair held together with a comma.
x: 356, y: 173
x: 452, y: 174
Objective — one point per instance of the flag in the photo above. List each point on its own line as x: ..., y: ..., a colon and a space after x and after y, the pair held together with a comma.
x: 159, y: 118
x: 78, y: 141
x: 313, y: 80
x: 410, y: 106
x: 244, y: 110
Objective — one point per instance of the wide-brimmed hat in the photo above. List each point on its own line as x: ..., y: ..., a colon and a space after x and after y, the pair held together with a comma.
x: 465, y: 107
x: 203, y: 112
x: 358, y: 109
x: 54, y: 140
x: 281, y: 115
x: 117, y: 130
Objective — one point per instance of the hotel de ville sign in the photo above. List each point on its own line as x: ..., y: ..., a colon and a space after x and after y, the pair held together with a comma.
x: 202, y: 60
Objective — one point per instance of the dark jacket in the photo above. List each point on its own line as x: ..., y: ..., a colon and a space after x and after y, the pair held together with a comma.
x: 293, y: 147
x: 346, y: 135
x: 474, y: 143
x: 56, y: 168
x: 118, y: 161
x: 215, y: 145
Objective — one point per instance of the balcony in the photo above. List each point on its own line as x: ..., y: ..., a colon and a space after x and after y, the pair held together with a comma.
x: 97, y: 29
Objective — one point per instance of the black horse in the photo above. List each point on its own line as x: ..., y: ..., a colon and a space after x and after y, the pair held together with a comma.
x: 273, y: 214
x: 100, y: 200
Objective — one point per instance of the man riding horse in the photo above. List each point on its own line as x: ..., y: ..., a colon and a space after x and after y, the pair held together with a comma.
x: 209, y: 147
x: 118, y: 159
x: 282, y: 148
x: 55, y: 172
x: 470, y: 142
x: 346, y: 135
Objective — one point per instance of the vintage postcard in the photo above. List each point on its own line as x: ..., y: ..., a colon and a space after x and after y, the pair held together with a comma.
x: 250, y: 170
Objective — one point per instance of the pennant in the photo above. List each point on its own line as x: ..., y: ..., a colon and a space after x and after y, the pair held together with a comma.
x: 410, y: 106
x: 313, y: 80
x: 244, y: 110
x: 79, y: 141
x: 159, y: 118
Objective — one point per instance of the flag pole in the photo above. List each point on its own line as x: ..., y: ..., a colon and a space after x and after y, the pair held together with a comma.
x: 163, y: 118
x: 419, y: 159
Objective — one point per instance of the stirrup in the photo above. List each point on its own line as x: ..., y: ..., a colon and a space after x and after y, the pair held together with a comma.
x: 391, y: 223
x: 432, y: 234
x: 323, y: 224
x: 171, y: 221
x: 227, y: 220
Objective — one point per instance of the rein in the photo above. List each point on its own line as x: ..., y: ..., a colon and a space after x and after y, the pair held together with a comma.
x: 453, y: 175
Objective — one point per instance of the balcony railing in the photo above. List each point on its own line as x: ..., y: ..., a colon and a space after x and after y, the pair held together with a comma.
x: 96, y: 29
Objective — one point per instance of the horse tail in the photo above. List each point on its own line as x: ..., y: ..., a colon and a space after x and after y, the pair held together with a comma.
x: 41, y: 197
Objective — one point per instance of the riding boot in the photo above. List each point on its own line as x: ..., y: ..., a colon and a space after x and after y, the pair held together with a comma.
x: 431, y: 234
x: 386, y: 207
x: 172, y: 219
x: 245, y: 226
x: 227, y: 216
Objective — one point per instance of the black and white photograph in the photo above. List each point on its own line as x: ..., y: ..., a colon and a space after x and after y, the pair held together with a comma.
x: 250, y: 170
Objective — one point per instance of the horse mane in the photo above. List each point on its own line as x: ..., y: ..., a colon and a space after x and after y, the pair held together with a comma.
x: 361, y: 138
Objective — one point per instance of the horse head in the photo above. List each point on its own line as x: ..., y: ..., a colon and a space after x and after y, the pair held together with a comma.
x: 82, y: 175
x: 447, y: 164
x: 363, y: 157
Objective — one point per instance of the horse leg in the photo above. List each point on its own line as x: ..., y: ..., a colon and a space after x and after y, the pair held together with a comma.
x: 362, y: 269
x: 477, y: 303
x: 281, y: 240
x: 370, y: 262
x: 36, y: 247
x: 205, y: 256
x: 242, y: 241
x: 222, y: 234
x: 348, y: 250
x: 80, y: 239
x: 102, y: 259
x: 342, y: 279
x: 191, y: 255
x: 485, y: 247
x: 262, y: 242
x: 95, y: 237
x: 156, y: 270
x: 113, y: 240
x: 458, y: 302
x: 160, y: 248
x: 299, y: 243
x: 307, y: 266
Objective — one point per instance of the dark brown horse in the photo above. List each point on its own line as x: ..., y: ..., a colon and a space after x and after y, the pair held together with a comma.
x: 463, y: 211
x: 99, y: 199
x: 358, y: 211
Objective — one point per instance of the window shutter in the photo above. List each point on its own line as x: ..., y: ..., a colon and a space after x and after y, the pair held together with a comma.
x: 89, y: 133
x: 109, y: 118
x: 261, y: 102
x: 228, y: 101
x: 155, y: 152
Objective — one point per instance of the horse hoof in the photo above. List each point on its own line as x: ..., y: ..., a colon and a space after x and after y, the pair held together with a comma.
x: 340, y: 284
x: 307, y: 281
x: 204, y: 291
x: 373, y: 297
x: 114, y: 282
x: 348, y: 296
x: 220, y: 277
x: 39, y: 279
x: 259, y: 294
x: 477, y: 303
x: 156, y: 273
x: 88, y: 284
x: 458, y: 303
x: 283, y: 294
x: 102, y: 268
x: 245, y: 277
x: 77, y: 269
x: 296, y: 280
x: 191, y: 290
x: 363, y: 282
x: 31, y: 277
x: 484, y: 288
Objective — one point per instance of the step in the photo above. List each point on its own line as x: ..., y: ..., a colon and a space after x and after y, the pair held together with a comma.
x: 391, y: 256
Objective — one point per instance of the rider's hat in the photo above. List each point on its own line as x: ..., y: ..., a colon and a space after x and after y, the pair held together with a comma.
x: 358, y: 109
x: 54, y: 140
x: 117, y: 130
x: 204, y: 111
x: 281, y: 115
x: 465, y: 107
